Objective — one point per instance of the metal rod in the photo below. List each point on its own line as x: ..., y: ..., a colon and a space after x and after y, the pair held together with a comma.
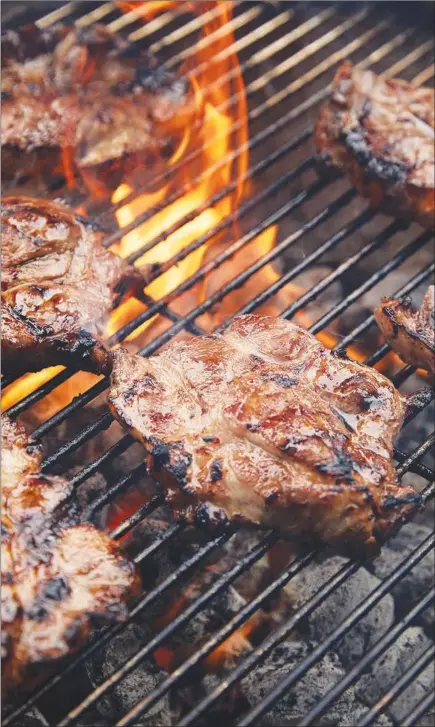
x: 409, y: 287
x: 250, y: 144
x: 227, y: 221
x: 367, y: 660
x: 56, y: 15
x: 95, y: 15
x: 217, y: 261
x: 416, y: 467
x: 110, y: 494
x: 110, y: 632
x: 198, y: 604
x: 343, y: 628
x: 264, y: 650
x: 418, y: 711
x: 387, y: 268
x: 405, y: 680
x: 416, y: 454
x: 137, y: 517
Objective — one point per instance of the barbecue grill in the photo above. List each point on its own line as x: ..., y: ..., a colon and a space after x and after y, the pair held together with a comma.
x: 288, y: 53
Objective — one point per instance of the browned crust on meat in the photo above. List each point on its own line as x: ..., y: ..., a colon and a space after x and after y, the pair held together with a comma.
x: 58, y: 285
x: 265, y: 426
x: 60, y: 578
x: 409, y: 332
x: 86, y: 89
x: 381, y: 133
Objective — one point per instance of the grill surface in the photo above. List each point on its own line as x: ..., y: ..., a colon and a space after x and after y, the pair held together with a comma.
x: 286, y: 71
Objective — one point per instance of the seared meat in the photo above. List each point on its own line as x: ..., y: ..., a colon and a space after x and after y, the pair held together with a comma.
x: 87, y: 91
x: 381, y: 133
x: 410, y: 332
x: 263, y: 425
x: 19, y: 456
x: 59, y: 578
x: 58, y: 283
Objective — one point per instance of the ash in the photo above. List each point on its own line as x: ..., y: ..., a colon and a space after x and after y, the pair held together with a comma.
x: 311, y: 632
x: 135, y: 686
x: 346, y: 712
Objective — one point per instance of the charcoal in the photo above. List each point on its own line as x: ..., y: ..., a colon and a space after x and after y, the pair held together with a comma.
x: 342, y: 602
x: 304, y: 695
x: 428, y: 720
x: 33, y: 718
x: 388, y: 668
x: 418, y: 582
x: 135, y: 686
x: 168, y: 557
x: 213, y: 617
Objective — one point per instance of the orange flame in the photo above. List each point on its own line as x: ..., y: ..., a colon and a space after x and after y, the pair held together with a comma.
x: 209, y: 123
x: 199, y: 170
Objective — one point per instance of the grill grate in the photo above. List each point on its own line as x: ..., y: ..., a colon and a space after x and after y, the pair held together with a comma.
x: 285, y: 73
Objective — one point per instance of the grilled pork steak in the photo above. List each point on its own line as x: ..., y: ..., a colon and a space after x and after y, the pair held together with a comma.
x: 263, y: 425
x: 59, y: 578
x: 381, y: 133
x: 58, y: 284
x: 410, y: 332
x: 89, y: 92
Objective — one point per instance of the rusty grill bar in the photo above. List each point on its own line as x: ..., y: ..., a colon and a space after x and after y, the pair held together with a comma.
x: 302, y: 44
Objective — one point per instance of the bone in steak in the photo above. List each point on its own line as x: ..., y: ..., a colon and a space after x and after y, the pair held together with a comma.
x: 410, y: 332
x: 264, y: 425
x: 59, y: 578
x: 88, y: 91
x: 381, y: 133
x: 58, y: 283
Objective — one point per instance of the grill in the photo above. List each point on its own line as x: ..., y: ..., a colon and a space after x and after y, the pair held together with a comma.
x: 286, y: 68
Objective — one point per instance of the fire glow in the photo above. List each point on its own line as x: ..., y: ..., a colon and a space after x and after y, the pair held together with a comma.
x: 216, y: 85
x: 210, y: 155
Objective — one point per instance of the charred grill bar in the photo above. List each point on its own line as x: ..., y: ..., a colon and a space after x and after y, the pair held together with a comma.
x: 285, y: 76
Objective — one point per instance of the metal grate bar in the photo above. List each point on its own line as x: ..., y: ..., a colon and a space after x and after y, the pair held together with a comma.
x: 409, y: 287
x: 387, y: 268
x: 344, y: 627
x: 407, y: 462
x: 95, y: 15
x: 218, y: 586
x: 91, y: 430
x: 327, y: 246
x: 56, y: 15
x: 425, y: 75
x: 218, y: 260
x: 254, y: 140
x: 415, y: 467
x: 110, y: 632
x: 417, y: 454
x: 405, y: 680
x: 137, y: 517
x: 235, y: 23
x: 111, y: 492
x: 246, y: 40
x: 39, y: 393
x: 267, y: 646
x: 367, y: 660
x: 115, y: 451
x: 250, y: 173
x: 418, y: 711
x: 147, y: 29
x: 147, y: 600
